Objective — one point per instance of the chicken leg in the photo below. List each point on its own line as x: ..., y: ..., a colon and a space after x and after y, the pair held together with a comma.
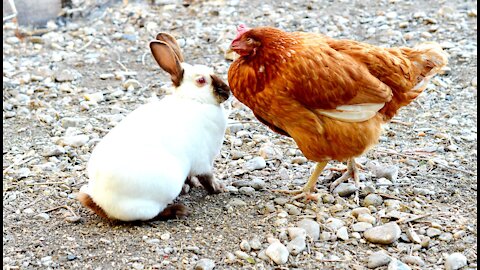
x: 309, y: 187
x: 352, y: 171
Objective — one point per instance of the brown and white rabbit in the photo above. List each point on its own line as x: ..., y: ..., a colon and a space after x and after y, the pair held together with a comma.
x: 139, y: 168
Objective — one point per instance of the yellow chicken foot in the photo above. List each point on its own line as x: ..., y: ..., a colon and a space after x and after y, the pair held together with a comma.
x: 309, y: 187
x: 352, y: 171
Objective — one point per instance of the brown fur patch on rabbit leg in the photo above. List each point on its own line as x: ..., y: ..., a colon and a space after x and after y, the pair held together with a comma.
x: 88, y: 202
x: 210, y: 184
x: 173, y: 211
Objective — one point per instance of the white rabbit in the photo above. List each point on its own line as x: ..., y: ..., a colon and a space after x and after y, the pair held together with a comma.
x: 138, y: 169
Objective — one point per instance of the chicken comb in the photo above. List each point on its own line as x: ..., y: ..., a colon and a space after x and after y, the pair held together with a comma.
x: 241, y: 29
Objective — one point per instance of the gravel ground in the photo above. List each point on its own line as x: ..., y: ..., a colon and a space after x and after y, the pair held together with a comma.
x: 65, y: 87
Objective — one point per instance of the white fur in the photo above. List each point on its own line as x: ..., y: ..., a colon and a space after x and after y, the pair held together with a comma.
x: 140, y: 166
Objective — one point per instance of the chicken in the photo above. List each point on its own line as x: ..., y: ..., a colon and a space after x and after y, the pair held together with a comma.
x: 330, y: 95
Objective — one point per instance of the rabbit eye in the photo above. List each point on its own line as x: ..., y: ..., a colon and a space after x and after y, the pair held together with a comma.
x: 201, y: 81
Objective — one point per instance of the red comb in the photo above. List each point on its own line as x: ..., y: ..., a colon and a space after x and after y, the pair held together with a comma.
x: 241, y: 28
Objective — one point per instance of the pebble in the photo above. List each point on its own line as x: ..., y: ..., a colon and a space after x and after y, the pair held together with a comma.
x: 361, y: 226
x: 388, y: 172
x: 245, y: 246
x: 373, y: 199
x: 345, y: 189
x: 76, y: 140
x: 328, y: 198
x: 296, y: 245
x: 299, y: 160
x: 334, y: 224
x: 277, y: 252
x: 66, y: 75
x: 366, y: 218
x: 247, y: 191
x: 432, y: 232
x: 257, y: 184
x: 255, y: 244
x: 413, y: 260
x: 446, y: 237
x: 73, y: 219
x: 205, y: 264
x: 242, y: 255
x: 455, y: 261
x: 397, y: 265
x: 281, y: 200
x: 256, y: 163
x: 377, y: 259
x: 28, y: 211
x: 54, y: 151
x: 294, y: 232
x: 360, y: 210
x: 43, y: 216
x: 311, y: 227
x: 383, y: 234
x: 413, y: 236
x: 235, y: 202
x: 342, y: 233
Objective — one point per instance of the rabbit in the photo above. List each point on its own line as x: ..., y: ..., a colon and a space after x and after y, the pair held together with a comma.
x: 138, y: 169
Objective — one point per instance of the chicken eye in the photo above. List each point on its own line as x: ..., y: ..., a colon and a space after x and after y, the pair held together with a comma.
x: 249, y: 40
x: 201, y: 81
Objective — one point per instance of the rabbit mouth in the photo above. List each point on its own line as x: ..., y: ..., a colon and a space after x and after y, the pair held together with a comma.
x: 221, y: 91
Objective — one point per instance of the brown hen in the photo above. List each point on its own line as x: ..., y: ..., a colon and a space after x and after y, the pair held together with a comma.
x: 330, y: 95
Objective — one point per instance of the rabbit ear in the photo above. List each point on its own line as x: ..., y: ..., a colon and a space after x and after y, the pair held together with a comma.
x: 167, y: 60
x: 170, y: 40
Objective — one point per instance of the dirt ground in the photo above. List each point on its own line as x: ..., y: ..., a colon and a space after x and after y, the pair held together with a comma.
x: 73, y: 79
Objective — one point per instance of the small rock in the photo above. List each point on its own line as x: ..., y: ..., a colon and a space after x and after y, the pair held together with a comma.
x: 165, y: 236
x: 94, y: 97
x: 311, y: 227
x: 66, y: 75
x: 105, y: 76
x: 277, y: 252
x: 377, y: 259
x: 204, y: 264
x: 455, y: 261
x: 447, y: 237
x: 334, y: 224
x: 325, y: 236
x: 255, y: 244
x: 138, y: 266
x: 413, y: 260
x: 432, y: 232
x: 294, y: 232
x: 235, y: 202
x: 245, y: 246
x: 397, y: 265
x: 247, y: 191
x: 257, y: 183
x: 345, y: 189
x: 361, y: 226
x: 367, y: 218
x: 71, y: 257
x: 297, y: 245
x: 242, y: 255
x: 373, y: 199
x: 384, y: 234
x: 342, y: 233
x: 328, y: 198
x: 73, y: 219
x: 413, y: 236
x: 281, y: 200
x: 76, y: 140
x: 54, y: 151
x: 43, y: 216
x: 28, y: 211
x: 360, y: 210
x: 299, y: 160
x: 23, y: 173
x: 256, y: 163
x: 72, y: 122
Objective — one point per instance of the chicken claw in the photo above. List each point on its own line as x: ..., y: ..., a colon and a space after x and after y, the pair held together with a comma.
x: 309, y: 187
